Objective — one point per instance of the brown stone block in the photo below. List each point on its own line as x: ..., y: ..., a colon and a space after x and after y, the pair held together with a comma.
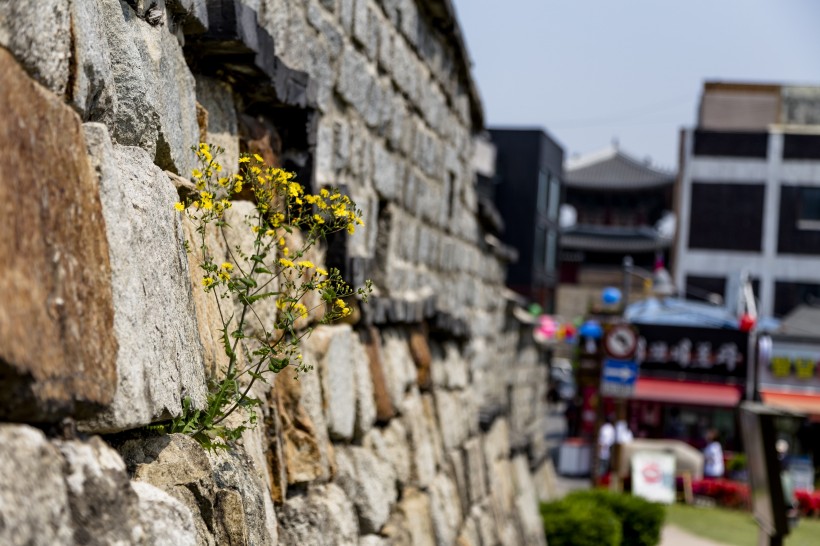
x: 301, y: 444
x: 420, y: 350
x: 57, y: 344
x: 381, y: 392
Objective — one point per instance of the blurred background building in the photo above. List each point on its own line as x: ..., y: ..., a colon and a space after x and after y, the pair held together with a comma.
x: 615, y: 206
x: 527, y: 191
x: 749, y: 194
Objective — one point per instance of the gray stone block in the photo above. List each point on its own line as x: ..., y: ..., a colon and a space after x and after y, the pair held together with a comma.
x: 324, y: 516
x: 38, y: 34
x: 336, y: 368
x: 445, y: 509
x: 217, y: 98
x: 92, y: 92
x: 369, y: 482
x: 164, y: 520
x: 159, y: 362
x: 33, y: 492
x: 326, y: 28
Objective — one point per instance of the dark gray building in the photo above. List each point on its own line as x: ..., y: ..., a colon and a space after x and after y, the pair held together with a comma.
x: 527, y: 192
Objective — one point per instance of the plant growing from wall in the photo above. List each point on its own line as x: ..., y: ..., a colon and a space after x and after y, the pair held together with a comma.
x: 257, y: 345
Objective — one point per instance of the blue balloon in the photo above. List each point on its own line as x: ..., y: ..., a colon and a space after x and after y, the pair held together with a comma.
x: 611, y: 295
x: 591, y: 328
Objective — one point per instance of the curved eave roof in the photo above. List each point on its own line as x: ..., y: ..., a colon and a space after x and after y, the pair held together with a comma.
x: 612, y: 169
x: 601, y: 243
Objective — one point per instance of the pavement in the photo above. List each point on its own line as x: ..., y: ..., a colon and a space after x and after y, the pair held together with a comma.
x: 556, y: 430
x: 675, y: 536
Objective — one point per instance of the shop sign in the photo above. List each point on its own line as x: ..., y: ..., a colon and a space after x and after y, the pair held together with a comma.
x: 791, y: 364
x: 703, y: 354
x: 653, y: 476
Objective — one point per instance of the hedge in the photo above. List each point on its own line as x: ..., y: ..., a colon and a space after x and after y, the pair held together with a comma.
x: 586, y: 517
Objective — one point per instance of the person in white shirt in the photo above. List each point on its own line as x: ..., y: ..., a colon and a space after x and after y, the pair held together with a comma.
x: 606, y: 437
x: 712, y: 456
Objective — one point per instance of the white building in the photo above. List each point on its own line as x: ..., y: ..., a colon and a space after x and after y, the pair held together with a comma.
x: 748, y: 194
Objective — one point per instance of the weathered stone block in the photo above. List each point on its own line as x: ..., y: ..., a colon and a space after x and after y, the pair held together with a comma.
x: 38, y: 34
x: 332, y: 348
x: 104, y: 507
x: 369, y: 482
x: 323, y: 516
x: 305, y: 442
x: 156, y: 99
x: 411, y: 523
x: 159, y: 362
x: 33, y: 492
x: 390, y: 444
x: 445, y: 509
x: 398, y: 364
x: 217, y: 98
x: 220, y: 488
x: 526, y: 502
x: 420, y: 436
x: 92, y: 90
x: 365, y: 397
x: 476, y: 471
x: 165, y: 520
x: 55, y: 275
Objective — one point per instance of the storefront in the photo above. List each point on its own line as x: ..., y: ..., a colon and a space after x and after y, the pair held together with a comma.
x: 788, y: 378
x: 691, y: 380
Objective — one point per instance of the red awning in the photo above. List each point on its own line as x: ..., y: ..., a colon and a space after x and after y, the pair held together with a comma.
x: 792, y: 401
x: 686, y: 392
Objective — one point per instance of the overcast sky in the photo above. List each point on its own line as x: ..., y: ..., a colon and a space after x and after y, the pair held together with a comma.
x: 590, y: 71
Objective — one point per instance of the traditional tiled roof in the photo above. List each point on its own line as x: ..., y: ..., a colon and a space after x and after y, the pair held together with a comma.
x: 613, y: 170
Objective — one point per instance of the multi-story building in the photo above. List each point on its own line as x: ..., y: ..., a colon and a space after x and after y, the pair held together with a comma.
x: 748, y: 197
x: 527, y: 190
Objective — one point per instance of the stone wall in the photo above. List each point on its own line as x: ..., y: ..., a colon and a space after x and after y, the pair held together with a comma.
x: 422, y: 420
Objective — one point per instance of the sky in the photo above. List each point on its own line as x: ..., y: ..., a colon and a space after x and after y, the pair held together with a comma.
x: 592, y: 72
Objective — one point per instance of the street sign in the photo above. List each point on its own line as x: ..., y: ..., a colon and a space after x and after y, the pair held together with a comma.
x: 618, y: 378
x: 620, y: 341
x: 653, y: 476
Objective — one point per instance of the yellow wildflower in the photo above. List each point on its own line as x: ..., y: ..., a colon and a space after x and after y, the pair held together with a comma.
x: 179, y: 206
x: 207, y: 281
x: 306, y: 263
x: 244, y: 159
x: 321, y: 271
x: 258, y: 158
x: 227, y: 266
x: 284, y: 262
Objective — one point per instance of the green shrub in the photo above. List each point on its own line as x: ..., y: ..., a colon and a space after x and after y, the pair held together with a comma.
x: 641, y: 520
x: 580, y: 522
x: 602, y: 518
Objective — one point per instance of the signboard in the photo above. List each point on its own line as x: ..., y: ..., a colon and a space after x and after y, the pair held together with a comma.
x: 693, y: 353
x: 618, y: 378
x: 653, y: 476
x: 791, y: 363
x: 766, y: 487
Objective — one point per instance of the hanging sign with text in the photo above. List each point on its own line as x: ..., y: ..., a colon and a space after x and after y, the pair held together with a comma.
x: 687, y: 352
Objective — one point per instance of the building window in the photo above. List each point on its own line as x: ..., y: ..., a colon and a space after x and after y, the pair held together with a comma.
x: 539, y: 257
x: 809, y: 209
x: 731, y: 144
x: 799, y: 223
x: 788, y: 295
x: 801, y: 147
x: 555, y: 199
x: 543, y: 191
x: 726, y: 217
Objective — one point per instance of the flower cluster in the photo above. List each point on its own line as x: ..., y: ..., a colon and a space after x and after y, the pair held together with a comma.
x: 272, y: 269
